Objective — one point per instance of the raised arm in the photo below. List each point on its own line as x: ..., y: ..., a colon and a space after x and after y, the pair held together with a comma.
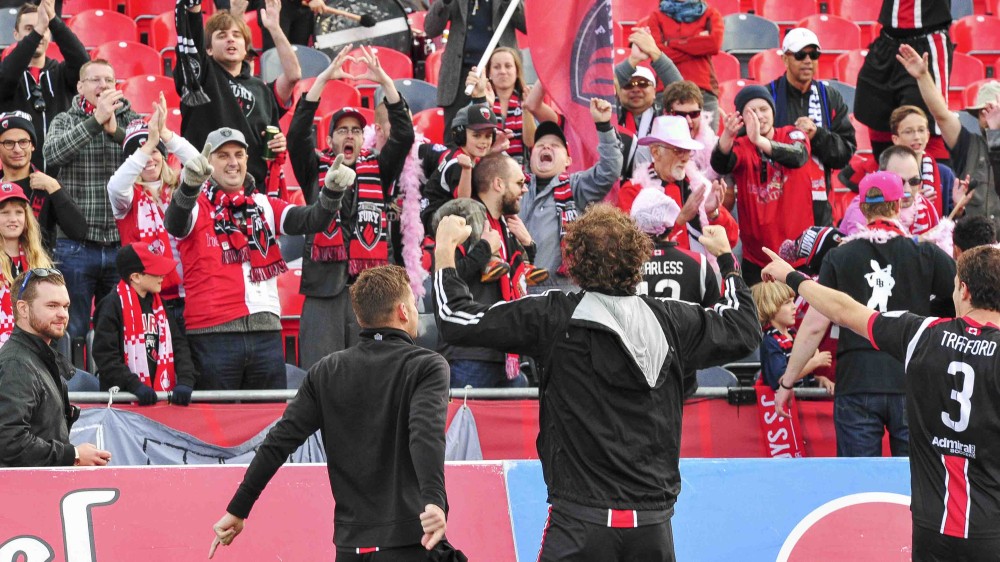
x: 291, y: 71
x: 916, y: 66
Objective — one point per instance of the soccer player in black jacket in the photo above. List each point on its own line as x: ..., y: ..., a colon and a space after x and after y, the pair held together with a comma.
x: 388, y: 484
x: 612, y: 385
x: 952, y: 399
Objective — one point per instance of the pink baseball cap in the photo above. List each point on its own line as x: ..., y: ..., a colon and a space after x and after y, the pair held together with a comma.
x: 890, y: 184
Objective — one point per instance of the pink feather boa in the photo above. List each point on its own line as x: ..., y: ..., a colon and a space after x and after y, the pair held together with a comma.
x: 410, y: 223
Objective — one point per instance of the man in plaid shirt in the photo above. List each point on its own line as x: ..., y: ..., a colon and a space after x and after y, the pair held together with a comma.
x: 85, y: 143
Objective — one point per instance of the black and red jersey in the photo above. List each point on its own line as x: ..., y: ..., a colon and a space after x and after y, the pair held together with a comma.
x: 915, y: 14
x: 678, y: 274
x: 953, y: 407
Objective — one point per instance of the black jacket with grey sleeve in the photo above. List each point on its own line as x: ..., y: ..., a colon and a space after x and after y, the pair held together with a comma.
x: 612, y: 384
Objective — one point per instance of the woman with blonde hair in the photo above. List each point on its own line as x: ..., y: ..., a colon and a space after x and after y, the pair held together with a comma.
x: 141, y: 188
x: 22, y: 249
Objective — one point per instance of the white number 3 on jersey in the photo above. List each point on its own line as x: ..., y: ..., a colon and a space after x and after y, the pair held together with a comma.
x: 964, y: 398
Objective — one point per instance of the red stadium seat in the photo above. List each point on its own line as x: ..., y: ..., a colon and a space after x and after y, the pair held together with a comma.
x: 978, y: 36
x: 964, y: 71
x: 143, y: 91
x: 837, y: 34
x: 631, y: 11
x: 785, y: 13
x: 970, y: 92
x: 766, y: 66
x: 432, y: 67
x: 291, y: 302
x: 129, y: 58
x: 848, y: 65
x: 94, y: 27
x: 862, y: 12
x: 71, y: 8
x: 728, y: 91
x: 416, y: 20
x: 336, y: 94
x: 163, y: 38
x: 174, y: 120
x: 430, y: 122
x: 727, y: 67
x: 143, y: 12
x: 725, y: 7
x: 396, y: 64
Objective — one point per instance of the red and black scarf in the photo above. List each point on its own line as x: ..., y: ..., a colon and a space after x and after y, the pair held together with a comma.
x: 368, y: 246
x: 134, y: 334
x: 87, y: 107
x: 243, y: 233
x: 566, y: 207
x: 513, y: 119
x: 513, y: 284
x: 19, y: 263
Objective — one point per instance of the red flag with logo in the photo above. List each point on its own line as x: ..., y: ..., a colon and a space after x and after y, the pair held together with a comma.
x: 572, y: 48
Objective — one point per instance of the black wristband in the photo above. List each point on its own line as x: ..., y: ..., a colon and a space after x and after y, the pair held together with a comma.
x: 785, y: 387
x: 794, y: 279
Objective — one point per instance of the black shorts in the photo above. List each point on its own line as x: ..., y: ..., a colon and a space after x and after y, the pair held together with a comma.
x: 568, y: 539
x: 400, y: 554
x: 884, y: 85
x: 932, y: 546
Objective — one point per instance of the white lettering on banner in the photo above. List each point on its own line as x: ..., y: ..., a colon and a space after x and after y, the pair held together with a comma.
x: 78, y: 529
x: 782, y: 439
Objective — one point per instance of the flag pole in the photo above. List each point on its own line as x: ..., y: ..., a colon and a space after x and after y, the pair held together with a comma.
x: 493, y: 42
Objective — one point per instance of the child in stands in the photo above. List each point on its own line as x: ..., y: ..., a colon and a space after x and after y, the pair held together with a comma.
x: 776, y: 311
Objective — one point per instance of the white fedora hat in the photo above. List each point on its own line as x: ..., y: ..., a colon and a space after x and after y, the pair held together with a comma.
x: 672, y: 130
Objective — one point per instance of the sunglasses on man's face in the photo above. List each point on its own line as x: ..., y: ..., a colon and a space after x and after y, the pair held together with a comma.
x: 638, y: 84
x: 688, y: 114
x: 40, y: 272
x: 801, y: 55
x: 915, y: 181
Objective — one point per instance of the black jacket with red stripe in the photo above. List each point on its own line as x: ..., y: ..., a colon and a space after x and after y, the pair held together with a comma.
x: 612, y: 384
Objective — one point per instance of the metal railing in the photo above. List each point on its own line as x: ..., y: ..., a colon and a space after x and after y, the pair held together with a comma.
x: 455, y: 393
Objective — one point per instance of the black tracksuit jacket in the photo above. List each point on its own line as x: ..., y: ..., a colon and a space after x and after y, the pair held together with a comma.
x: 381, y: 408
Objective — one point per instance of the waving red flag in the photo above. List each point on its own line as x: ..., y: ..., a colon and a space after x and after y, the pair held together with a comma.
x: 572, y: 48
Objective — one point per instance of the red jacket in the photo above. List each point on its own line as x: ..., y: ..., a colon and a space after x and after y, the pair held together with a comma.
x: 684, y: 44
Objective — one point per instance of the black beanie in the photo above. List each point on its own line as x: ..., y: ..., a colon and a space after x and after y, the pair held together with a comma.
x: 18, y: 120
x: 753, y: 92
x: 136, y: 134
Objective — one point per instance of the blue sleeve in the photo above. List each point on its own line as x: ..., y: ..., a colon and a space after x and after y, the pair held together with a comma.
x: 772, y: 361
x: 947, y: 180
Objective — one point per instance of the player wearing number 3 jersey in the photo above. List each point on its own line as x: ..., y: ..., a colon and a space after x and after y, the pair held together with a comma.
x: 952, y: 368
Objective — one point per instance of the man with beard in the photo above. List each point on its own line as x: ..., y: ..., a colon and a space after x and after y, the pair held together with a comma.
x: 50, y: 204
x: 35, y: 413
x: 499, y: 183
x: 554, y: 198
x: 33, y: 83
x: 671, y: 172
x: 357, y: 238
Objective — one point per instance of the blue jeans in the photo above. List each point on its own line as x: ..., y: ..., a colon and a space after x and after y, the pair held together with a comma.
x: 862, y: 419
x: 483, y: 374
x: 90, y: 274
x: 240, y: 361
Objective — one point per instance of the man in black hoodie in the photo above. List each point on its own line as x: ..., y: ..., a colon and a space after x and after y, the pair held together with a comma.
x: 389, y: 485
x: 217, y: 85
x: 33, y: 83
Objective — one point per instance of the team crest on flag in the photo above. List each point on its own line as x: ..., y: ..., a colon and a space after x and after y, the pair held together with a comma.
x: 369, y: 224
x: 593, y: 46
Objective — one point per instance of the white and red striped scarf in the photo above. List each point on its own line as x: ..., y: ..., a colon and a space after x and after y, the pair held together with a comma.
x: 135, y: 340
x: 931, y: 175
x: 7, y: 300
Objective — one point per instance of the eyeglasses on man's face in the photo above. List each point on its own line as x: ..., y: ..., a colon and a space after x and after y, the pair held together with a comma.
x: 20, y: 143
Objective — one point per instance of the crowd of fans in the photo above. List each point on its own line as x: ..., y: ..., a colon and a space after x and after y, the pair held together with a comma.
x: 171, y: 241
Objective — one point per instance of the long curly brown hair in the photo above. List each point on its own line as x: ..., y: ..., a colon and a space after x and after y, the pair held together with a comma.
x: 604, y: 251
